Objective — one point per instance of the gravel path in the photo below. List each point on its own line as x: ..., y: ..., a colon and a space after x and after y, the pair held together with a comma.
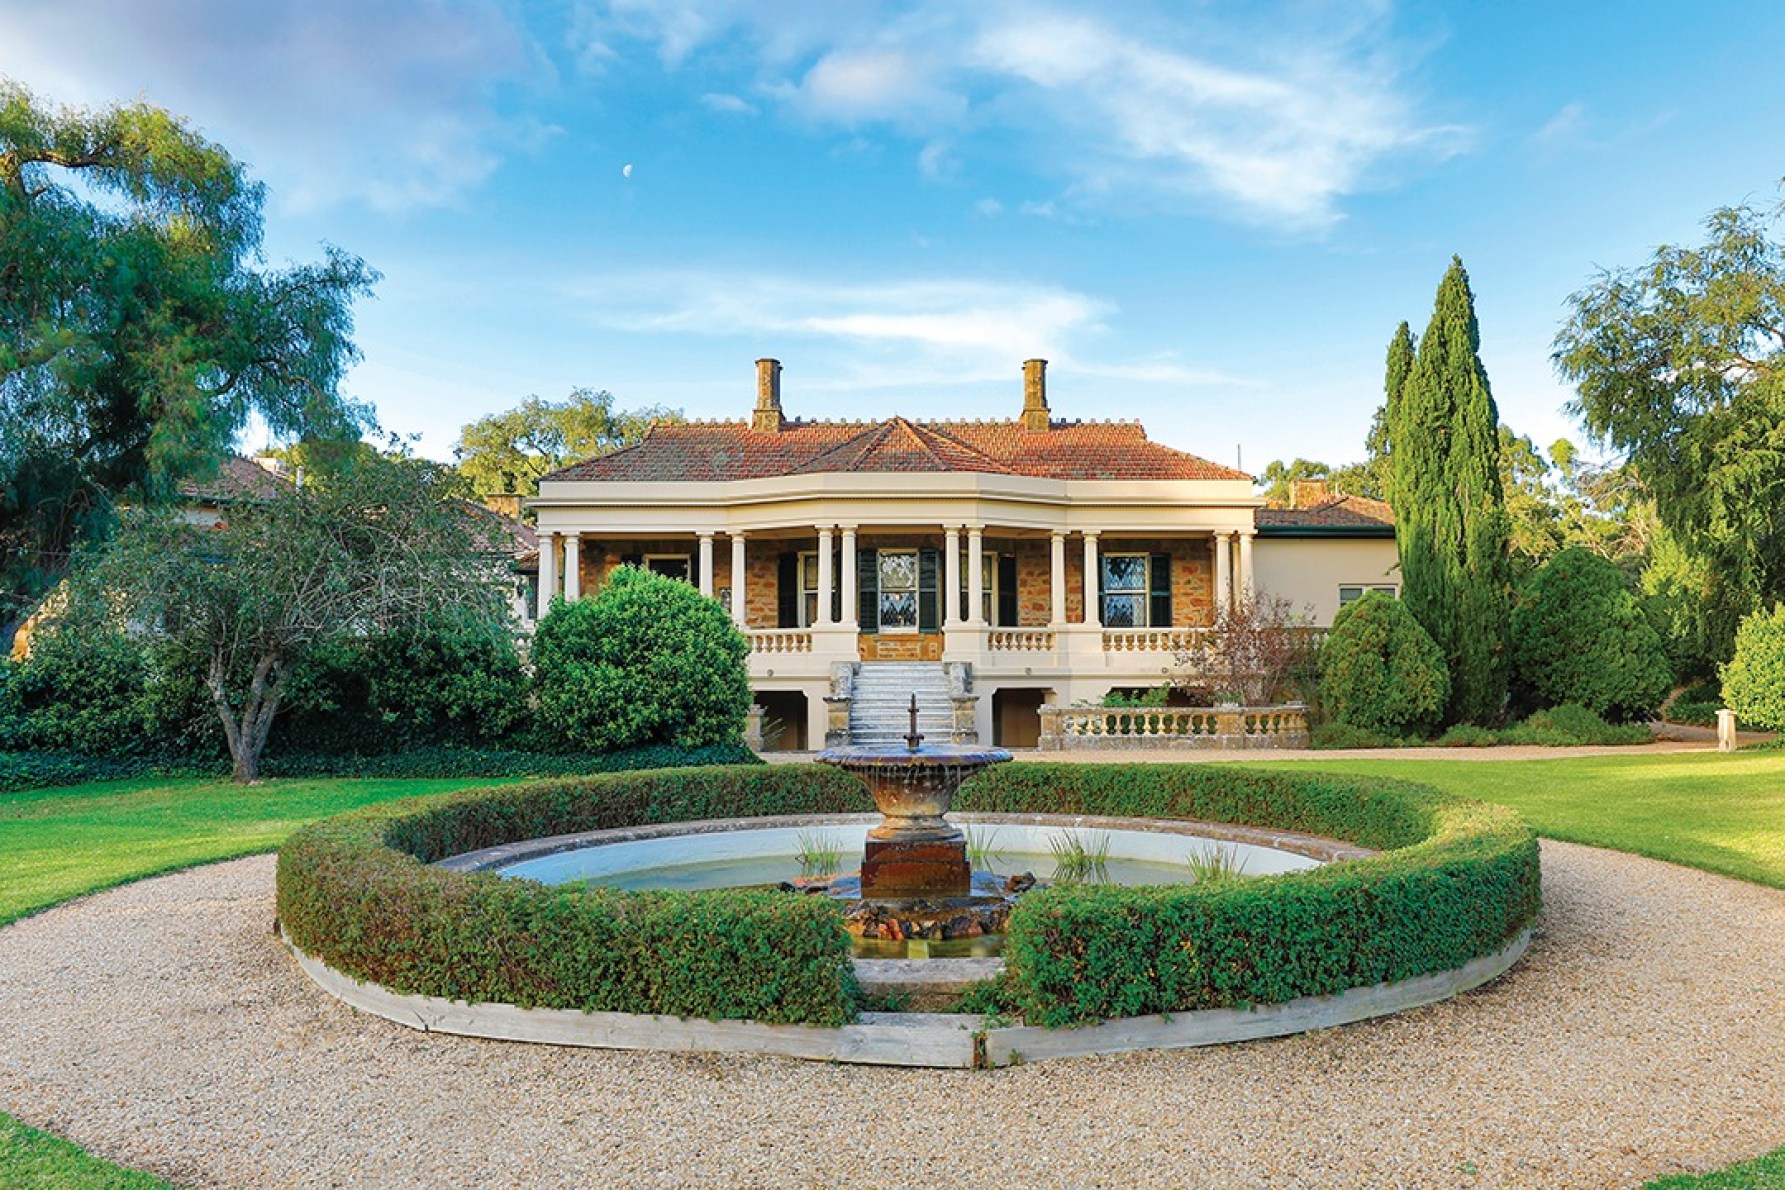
x: 161, y: 1025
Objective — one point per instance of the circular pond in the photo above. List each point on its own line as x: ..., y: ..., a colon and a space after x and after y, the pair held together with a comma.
x: 817, y: 855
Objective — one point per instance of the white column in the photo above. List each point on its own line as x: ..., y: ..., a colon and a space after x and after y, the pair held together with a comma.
x: 1057, y: 580
x: 951, y: 576
x: 826, y: 580
x: 1223, y: 574
x: 1244, y: 595
x: 975, y: 575
x: 1093, y: 613
x: 548, y: 570
x: 573, y: 567
x: 851, y: 567
x: 740, y: 611
x: 706, y: 562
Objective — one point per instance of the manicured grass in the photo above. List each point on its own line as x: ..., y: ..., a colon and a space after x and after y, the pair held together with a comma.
x: 1723, y: 812
x: 60, y: 843
x: 1762, y: 1173
x: 32, y: 1158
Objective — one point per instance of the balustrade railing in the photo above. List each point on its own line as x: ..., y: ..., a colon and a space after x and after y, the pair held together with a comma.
x: 1082, y: 728
x: 780, y: 640
x: 1019, y: 640
x: 1151, y: 640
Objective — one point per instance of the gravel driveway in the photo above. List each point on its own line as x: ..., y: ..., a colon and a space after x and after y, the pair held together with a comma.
x: 161, y: 1025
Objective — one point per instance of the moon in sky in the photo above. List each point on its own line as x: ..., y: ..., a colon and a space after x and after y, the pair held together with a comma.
x: 626, y: 170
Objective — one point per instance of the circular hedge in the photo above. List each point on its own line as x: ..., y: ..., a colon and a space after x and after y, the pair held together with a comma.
x: 1456, y: 880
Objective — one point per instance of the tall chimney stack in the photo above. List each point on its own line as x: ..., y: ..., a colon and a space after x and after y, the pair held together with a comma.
x: 1035, y: 415
x: 767, y: 417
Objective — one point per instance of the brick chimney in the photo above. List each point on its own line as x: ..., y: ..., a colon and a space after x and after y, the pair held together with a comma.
x: 1306, y: 493
x: 767, y: 417
x: 506, y: 504
x: 1035, y: 415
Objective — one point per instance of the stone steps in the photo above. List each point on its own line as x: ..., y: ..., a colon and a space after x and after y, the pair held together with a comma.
x: 880, y: 702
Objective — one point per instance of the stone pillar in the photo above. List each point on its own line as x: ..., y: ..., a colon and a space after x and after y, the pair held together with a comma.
x: 740, y: 605
x: 1057, y: 581
x: 826, y: 579
x: 851, y: 596
x: 951, y: 576
x: 1093, y: 610
x: 975, y: 575
x: 1244, y: 595
x: 573, y: 567
x: 548, y: 570
x: 1223, y: 574
x: 1726, y: 741
x: 706, y: 562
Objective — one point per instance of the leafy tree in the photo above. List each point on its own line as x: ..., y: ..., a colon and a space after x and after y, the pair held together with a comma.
x: 376, y: 548
x: 1380, y: 671
x: 1754, y: 676
x: 1380, y: 441
x: 511, y: 451
x: 136, y: 334
x: 1579, y: 636
x: 1450, y: 507
x: 1279, y: 479
x: 1255, y: 653
x: 1680, y: 364
x: 648, y: 660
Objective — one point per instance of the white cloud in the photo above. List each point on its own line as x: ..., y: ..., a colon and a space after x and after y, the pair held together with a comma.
x: 1274, y: 113
x: 989, y: 207
x: 901, y: 332
x: 730, y: 105
x: 1566, y: 127
x: 384, y: 101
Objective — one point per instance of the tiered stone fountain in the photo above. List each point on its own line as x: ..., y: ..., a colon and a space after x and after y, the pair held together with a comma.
x: 916, y: 881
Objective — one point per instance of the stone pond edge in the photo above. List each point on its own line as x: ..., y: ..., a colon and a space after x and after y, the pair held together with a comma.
x: 920, y: 1039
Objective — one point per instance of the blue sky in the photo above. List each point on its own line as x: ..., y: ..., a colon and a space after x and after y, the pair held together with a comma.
x: 1209, y: 217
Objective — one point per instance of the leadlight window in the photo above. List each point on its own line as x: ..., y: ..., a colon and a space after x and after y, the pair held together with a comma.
x: 1124, y: 590
x: 898, y: 589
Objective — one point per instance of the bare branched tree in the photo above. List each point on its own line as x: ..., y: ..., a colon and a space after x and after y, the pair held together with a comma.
x: 1253, y: 653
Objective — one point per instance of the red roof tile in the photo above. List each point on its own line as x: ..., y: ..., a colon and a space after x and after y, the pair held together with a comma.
x: 236, y: 479
x: 719, y: 451
x: 1337, y: 511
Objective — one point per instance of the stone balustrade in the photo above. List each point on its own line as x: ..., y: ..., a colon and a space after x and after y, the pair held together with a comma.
x: 780, y: 640
x: 1019, y: 640
x: 1068, y: 729
x: 1151, y: 640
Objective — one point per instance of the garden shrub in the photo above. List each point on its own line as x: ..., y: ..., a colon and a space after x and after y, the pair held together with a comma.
x: 1468, y: 735
x: 1380, y: 671
x: 78, y: 691
x: 398, y: 691
x: 1754, y: 678
x: 1572, y: 725
x: 1348, y: 735
x: 357, y: 892
x: 1579, y: 636
x: 648, y: 660
x: 1457, y: 880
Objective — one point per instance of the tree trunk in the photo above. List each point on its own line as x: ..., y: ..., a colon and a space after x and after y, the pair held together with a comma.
x: 247, y: 735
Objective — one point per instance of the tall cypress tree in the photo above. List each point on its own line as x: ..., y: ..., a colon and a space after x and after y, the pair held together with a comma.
x: 1380, y: 441
x: 1449, y: 505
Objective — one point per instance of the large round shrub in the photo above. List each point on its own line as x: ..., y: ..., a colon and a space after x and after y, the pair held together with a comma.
x: 648, y: 660
x: 1379, y: 670
x: 1579, y: 636
x: 1754, y: 678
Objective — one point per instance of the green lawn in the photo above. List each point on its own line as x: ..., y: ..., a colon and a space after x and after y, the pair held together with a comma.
x: 1723, y: 813
x: 60, y: 843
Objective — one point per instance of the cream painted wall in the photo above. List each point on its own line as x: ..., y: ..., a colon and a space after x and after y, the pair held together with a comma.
x: 1310, y: 570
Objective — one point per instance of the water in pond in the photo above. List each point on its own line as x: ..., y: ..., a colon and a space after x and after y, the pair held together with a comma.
x: 771, y: 857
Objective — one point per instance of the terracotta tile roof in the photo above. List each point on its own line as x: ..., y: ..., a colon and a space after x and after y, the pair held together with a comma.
x: 1337, y: 511
x: 719, y: 451
x: 236, y: 479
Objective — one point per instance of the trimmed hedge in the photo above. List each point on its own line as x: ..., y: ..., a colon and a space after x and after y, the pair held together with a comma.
x: 356, y: 892
x: 40, y: 770
x: 1459, y: 879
